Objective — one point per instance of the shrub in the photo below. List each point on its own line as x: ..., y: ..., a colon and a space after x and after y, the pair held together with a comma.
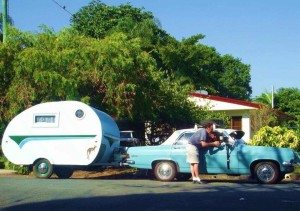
x: 276, y: 137
x: 5, y: 164
x: 2, y: 162
x: 19, y: 169
x: 2, y: 159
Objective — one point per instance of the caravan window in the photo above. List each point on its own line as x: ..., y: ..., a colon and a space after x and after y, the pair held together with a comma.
x: 45, y: 120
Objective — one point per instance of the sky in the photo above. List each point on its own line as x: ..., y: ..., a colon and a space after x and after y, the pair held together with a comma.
x: 262, y: 33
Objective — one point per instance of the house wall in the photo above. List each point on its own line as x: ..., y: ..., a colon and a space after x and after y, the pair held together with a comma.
x: 246, y: 124
x: 231, y: 109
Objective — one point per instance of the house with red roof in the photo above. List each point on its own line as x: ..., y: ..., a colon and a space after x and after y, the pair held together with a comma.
x: 237, y: 110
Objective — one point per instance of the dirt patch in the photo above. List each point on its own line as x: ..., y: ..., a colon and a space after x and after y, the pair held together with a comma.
x: 104, y: 173
x: 110, y: 173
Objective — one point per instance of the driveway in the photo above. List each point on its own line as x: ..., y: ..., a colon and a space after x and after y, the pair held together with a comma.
x: 29, y: 193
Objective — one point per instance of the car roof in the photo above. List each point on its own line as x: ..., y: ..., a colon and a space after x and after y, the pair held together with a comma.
x: 176, y: 133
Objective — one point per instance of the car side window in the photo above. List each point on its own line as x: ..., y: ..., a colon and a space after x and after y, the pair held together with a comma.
x: 184, y: 138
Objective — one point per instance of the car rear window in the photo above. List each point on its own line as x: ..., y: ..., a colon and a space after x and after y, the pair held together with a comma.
x: 183, y: 139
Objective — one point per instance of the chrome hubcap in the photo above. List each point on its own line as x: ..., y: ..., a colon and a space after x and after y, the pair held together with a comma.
x: 43, y: 168
x: 265, y: 173
x: 165, y: 170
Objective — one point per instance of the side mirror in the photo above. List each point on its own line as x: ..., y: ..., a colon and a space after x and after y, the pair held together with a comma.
x: 237, y: 134
x: 224, y: 139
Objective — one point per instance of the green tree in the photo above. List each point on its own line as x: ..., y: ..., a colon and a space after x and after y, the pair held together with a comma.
x: 114, y: 74
x: 192, y: 62
x: 98, y: 19
x: 205, y: 68
x: 265, y: 116
x: 264, y: 98
x: 288, y: 101
x: 235, y: 78
x: 188, y: 60
x: 285, y: 112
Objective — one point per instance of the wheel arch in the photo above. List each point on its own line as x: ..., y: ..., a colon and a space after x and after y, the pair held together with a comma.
x: 42, y: 157
x: 254, y: 163
x: 160, y: 160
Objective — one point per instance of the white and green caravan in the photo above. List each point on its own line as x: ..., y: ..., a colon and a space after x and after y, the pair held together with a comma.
x: 60, y: 137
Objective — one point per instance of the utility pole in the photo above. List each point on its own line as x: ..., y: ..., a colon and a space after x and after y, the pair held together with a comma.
x: 4, y: 20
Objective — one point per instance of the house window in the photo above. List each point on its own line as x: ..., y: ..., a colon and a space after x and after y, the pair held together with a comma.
x: 236, y: 122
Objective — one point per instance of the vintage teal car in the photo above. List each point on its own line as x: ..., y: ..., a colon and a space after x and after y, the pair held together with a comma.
x: 168, y: 160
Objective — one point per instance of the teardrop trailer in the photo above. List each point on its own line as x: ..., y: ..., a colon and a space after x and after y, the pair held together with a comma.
x: 61, y: 137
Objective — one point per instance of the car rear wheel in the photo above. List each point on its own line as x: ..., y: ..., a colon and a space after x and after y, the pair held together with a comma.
x: 165, y: 171
x: 267, y: 172
x: 42, y: 168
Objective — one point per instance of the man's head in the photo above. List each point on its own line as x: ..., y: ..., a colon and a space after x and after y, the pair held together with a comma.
x: 209, y: 126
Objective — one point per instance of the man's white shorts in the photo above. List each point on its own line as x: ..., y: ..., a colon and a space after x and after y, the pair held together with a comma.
x: 192, y: 154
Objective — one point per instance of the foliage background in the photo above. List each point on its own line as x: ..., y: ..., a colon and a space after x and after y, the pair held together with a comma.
x: 276, y: 137
x: 119, y: 60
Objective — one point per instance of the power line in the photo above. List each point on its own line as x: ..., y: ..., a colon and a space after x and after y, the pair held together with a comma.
x: 63, y: 7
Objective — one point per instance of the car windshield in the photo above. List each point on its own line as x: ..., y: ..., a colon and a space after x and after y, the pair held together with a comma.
x: 225, y: 133
x: 232, y: 140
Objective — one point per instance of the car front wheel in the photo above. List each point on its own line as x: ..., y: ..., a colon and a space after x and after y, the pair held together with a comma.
x: 165, y: 171
x: 267, y: 172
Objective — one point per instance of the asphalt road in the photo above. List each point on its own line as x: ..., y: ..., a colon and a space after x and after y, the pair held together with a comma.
x: 28, y: 193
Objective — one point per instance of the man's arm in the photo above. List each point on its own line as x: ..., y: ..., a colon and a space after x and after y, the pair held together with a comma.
x: 209, y: 144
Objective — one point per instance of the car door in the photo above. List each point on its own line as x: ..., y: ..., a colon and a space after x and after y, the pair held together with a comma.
x: 221, y: 160
x: 214, y: 160
x: 178, y: 152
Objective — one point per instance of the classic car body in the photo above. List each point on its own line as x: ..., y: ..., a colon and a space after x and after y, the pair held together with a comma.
x: 168, y: 160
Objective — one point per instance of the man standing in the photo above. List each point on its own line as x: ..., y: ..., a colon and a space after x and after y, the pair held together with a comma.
x: 200, y: 139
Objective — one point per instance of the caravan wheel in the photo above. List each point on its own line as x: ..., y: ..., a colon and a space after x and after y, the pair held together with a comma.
x: 42, y: 168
